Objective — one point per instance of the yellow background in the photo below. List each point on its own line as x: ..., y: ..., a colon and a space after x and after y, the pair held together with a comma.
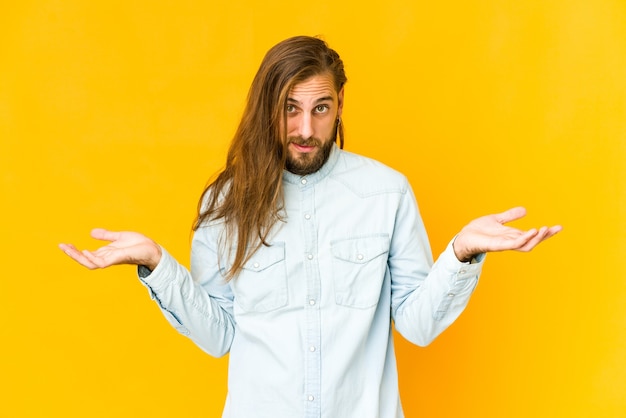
x: 115, y: 113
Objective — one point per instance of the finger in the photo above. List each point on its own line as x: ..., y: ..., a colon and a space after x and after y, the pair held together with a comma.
x: 108, y: 256
x: 515, y: 241
x: 97, y: 261
x: 544, y: 234
x: 511, y: 215
x: 104, y: 234
x: 77, y: 256
x: 525, y: 238
x: 534, y: 241
x: 553, y: 230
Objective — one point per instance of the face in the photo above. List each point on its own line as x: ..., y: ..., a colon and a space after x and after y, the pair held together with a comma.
x: 313, y: 107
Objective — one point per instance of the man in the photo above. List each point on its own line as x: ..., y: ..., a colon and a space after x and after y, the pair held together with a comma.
x: 303, y: 254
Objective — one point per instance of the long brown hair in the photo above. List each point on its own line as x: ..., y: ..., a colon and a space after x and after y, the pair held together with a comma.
x: 247, y: 195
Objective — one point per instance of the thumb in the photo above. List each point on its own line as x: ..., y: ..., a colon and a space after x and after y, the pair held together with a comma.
x: 511, y: 215
x: 104, y: 234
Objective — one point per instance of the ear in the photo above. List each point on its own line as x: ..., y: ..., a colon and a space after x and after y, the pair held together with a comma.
x: 340, y: 102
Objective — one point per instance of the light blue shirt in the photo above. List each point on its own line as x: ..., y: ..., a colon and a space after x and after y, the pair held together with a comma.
x: 308, y: 322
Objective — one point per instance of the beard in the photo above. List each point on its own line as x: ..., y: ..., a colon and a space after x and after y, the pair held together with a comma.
x: 303, y: 163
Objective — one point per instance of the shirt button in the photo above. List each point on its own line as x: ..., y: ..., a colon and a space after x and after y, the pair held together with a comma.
x: 462, y: 271
x: 311, y: 349
x: 310, y: 256
x: 359, y: 256
x: 311, y: 398
x: 307, y: 216
x: 256, y: 265
x: 303, y: 181
x: 311, y: 302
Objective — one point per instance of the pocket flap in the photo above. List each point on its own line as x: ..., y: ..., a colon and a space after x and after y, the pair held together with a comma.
x: 266, y: 257
x: 360, y: 250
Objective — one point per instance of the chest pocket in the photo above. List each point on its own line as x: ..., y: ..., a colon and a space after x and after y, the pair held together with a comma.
x: 261, y: 286
x: 359, y: 266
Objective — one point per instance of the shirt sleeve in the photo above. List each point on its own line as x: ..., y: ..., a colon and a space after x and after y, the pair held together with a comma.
x: 197, y: 303
x: 426, y: 297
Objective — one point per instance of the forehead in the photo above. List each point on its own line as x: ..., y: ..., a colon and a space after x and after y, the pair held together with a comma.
x: 318, y: 86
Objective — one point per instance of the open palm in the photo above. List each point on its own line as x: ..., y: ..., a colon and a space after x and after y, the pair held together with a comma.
x: 124, y: 248
x: 488, y: 233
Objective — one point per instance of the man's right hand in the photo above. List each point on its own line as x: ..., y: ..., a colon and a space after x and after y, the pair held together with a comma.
x: 124, y: 248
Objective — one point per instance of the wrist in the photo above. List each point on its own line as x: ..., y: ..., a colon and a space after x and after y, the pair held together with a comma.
x: 461, y: 252
x: 155, y: 258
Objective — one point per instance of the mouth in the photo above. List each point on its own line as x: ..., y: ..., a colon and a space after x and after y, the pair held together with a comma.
x: 303, y: 148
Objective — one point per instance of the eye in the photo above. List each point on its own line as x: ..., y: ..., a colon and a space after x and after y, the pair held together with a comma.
x: 321, y: 108
x: 290, y: 108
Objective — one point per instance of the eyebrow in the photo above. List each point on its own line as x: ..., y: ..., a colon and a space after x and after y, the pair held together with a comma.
x: 320, y: 100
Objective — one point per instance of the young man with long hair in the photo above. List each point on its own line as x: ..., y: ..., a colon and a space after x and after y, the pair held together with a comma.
x: 304, y: 255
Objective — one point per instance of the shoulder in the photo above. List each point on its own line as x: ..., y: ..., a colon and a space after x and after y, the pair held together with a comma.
x: 366, y: 176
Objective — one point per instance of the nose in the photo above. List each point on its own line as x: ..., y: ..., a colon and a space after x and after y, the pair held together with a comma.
x: 305, y: 126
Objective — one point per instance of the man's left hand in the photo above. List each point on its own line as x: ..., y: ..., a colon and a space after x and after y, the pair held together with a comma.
x: 488, y: 233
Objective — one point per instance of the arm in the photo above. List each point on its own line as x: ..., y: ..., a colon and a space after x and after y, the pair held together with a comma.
x: 200, y: 310
x: 425, y: 299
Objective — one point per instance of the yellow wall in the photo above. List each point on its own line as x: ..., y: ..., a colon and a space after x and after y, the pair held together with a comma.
x: 114, y: 114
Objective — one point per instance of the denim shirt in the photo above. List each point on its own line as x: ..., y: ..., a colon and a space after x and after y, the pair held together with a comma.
x: 308, y: 321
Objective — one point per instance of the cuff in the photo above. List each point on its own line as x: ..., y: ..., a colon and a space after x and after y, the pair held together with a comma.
x: 459, y: 269
x: 163, y: 274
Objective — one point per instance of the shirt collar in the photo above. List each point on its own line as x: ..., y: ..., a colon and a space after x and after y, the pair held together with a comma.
x: 313, y: 178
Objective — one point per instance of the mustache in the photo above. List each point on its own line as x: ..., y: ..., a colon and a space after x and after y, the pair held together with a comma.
x: 308, y: 142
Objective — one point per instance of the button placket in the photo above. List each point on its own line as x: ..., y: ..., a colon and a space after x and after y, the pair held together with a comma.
x: 312, y: 356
